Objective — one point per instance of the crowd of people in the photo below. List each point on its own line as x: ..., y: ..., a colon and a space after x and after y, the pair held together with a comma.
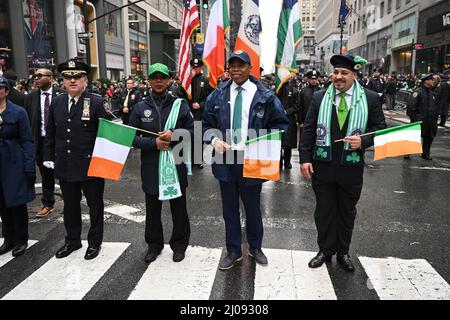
x: 53, y: 123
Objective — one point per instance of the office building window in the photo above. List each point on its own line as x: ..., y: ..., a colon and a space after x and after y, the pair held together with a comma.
x: 382, y: 9
x: 113, y: 21
x: 389, y: 6
x: 398, y: 4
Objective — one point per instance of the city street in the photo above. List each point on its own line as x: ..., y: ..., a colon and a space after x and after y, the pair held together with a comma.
x: 399, y: 246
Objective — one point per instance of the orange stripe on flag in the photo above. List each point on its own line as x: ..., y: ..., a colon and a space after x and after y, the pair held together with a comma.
x: 397, y: 148
x: 254, y: 57
x: 104, y: 168
x: 261, y: 169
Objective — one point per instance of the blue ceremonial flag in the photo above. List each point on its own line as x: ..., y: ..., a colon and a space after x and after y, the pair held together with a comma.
x: 344, y: 11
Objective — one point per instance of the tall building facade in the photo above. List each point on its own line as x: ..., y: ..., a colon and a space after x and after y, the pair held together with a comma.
x: 306, y: 55
x: 328, y: 33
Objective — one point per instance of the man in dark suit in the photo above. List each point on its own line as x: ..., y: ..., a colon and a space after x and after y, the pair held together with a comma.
x: 231, y: 111
x: 69, y: 143
x: 344, y: 111
x: 37, y: 105
x: 128, y: 99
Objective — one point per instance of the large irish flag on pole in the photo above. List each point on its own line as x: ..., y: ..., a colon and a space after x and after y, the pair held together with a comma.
x: 262, y: 157
x: 397, y: 141
x: 214, y: 51
x: 289, y: 36
x: 111, y: 149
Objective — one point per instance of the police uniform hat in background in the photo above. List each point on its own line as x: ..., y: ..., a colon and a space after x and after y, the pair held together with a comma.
x: 4, y: 82
x: 376, y: 69
x: 443, y: 76
x: 313, y: 74
x: 196, y: 62
x: 348, y: 62
x: 11, y: 76
x: 73, y: 67
x: 158, y: 67
x: 426, y: 76
x: 241, y: 55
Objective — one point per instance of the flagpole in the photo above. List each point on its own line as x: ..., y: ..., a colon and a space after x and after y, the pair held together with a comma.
x: 124, y: 125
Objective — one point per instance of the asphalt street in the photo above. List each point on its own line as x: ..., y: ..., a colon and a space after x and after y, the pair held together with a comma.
x: 403, y: 216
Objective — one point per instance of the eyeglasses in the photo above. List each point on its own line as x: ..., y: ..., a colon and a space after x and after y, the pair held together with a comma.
x: 76, y: 76
x: 40, y: 75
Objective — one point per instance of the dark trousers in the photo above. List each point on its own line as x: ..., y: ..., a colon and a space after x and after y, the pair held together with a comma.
x: 15, y: 224
x: 181, y: 231
x: 93, y: 191
x: 48, y: 181
x: 250, y: 195
x: 426, y: 145
x: 444, y: 114
x: 335, y: 214
x: 286, y: 158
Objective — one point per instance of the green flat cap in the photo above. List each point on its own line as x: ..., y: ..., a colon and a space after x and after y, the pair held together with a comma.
x: 158, y: 67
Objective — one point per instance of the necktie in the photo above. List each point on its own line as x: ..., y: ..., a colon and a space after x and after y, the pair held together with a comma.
x: 342, y: 110
x: 72, y: 104
x: 46, y: 109
x: 125, y: 103
x: 237, y: 115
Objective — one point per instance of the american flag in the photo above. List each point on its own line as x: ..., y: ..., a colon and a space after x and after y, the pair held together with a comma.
x: 190, y: 23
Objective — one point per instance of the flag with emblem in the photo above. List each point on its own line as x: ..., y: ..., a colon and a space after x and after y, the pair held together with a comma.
x: 289, y: 36
x: 398, y: 141
x: 248, y: 36
x: 112, y: 145
x: 262, y: 157
x: 189, y: 23
x: 214, y: 51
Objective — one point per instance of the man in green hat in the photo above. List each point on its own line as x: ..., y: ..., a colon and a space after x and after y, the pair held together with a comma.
x: 163, y: 179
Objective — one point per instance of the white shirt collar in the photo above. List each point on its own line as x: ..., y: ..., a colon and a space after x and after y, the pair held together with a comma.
x: 76, y: 98
x: 349, y: 92
x: 245, y: 85
x: 49, y: 91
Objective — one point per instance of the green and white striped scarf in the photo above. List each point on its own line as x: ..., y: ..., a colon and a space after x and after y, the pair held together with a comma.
x: 357, y: 125
x: 169, y: 184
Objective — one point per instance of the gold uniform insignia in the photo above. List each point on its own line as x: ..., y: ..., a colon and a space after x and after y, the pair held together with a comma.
x: 71, y: 64
x: 86, y: 109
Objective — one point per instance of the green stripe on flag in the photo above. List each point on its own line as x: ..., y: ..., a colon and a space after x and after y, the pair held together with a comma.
x: 271, y: 136
x: 409, y: 126
x: 116, y: 133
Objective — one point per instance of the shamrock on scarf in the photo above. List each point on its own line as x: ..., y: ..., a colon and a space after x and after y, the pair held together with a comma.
x: 171, y: 191
x: 321, y: 153
x: 354, y: 157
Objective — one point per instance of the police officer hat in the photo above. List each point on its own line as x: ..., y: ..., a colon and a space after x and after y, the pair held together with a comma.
x: 313, y: 74
x: 4, y: 82
x: 426, y: 76
x: 11, y: 76
x: 348, y: 62
x: 196, y: 62
x: 241, y: 55
x: 73, y: 67
x: 443, y: 76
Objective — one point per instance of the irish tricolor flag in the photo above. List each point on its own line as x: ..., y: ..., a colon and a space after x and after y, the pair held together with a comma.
x: 111, y: 149
x: 262, y: 157
x: 398, y: 141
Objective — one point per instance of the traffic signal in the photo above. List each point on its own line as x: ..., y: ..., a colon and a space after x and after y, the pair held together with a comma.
x: 205, y: 4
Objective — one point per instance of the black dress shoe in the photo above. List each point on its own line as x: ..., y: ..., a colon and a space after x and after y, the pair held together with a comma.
x: 345, y: 261
x: 288, y: 166
x: 6, y: 247
x: 319, y: 260
x: 67, y: 249
x: 407, y: 157
x: 426, y: 157
x: 178, y: 256
x: 19, y: 249
x: 259, y: 256
x: 92, y: 252
x: 229, y: 261
x: 151, y: 256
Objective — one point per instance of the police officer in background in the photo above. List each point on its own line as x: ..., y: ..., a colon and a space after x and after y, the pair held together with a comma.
x: 376, y: 83
x: 443, y: 97
x: 423, y: 108
x: 289, y: 97
x: 200, y: 91
x: 128, y: 99
x: 305, y: 96
x: 69, y: 143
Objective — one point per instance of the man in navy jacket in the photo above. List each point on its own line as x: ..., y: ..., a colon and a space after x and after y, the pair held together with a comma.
x: 238, y: 107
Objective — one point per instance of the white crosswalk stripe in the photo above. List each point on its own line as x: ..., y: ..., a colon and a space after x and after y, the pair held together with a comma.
x: 7, y: 257
x: 398, y: 279
x: 288, y: 277
x: 69, y: 278
x: 190, y: 279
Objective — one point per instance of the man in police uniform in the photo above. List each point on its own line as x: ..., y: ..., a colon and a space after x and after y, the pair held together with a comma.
x: 69, y: 142
x: 128, y: 99
x: 344, y: 111
x: 305, y: 96
x: 423, y: 107
x: 376, y: 83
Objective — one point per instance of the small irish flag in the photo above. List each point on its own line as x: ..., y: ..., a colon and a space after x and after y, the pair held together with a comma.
x: 398, y: 141
x: 111, y: 149
x: 262, y: 157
